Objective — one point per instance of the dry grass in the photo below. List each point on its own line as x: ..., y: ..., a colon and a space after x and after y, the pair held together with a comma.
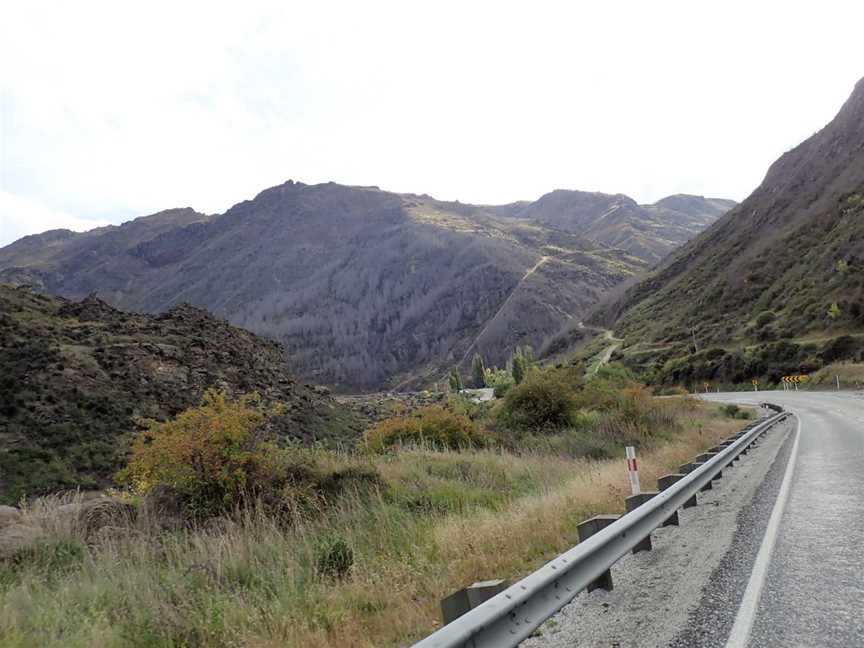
x: 483, y: 514
x: 851, y: 376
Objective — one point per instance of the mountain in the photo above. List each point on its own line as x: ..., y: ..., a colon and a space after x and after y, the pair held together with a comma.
x: 648, y: 232
x: 77, y: 376
x: 364, y: 287
x: 774, y: 286
x: 368, y: 288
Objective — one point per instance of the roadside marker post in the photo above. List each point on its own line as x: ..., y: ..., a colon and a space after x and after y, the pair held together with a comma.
x: 755, y: 385
x: 633, y: 470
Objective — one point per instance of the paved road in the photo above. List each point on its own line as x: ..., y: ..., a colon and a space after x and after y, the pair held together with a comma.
x: 807, y: 585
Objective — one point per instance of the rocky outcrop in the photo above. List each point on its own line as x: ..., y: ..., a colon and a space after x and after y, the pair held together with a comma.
x: 78, y: 377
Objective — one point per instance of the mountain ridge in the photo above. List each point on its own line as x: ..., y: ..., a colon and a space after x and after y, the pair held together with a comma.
x: 364, y: 287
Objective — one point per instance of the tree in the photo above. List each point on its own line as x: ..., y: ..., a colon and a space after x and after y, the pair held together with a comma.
x: 520, y: 366
x: 834, y: 311
x: 455, y: 380
x: 478, y: 371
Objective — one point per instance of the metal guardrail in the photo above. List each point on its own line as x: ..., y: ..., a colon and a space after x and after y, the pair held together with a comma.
x: 513, y: 615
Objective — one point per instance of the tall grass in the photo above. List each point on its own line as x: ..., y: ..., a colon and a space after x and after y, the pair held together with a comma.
x: 443, y: 520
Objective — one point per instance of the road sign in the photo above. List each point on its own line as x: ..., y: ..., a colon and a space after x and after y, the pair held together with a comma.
x: 796, y: 379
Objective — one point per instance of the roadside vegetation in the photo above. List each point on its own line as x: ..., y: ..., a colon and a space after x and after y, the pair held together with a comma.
x: 218, y: 536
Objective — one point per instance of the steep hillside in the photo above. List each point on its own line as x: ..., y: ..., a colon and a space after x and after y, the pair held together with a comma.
x: 76, y: 376
x: 364, y: 287
x: 785, y: 268
x: 648, y: 232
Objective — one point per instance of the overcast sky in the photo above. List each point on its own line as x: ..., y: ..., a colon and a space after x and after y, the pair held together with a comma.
x: 117, y: 109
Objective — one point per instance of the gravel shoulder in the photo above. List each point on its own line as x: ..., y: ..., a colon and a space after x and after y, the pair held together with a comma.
x: 686, y: 591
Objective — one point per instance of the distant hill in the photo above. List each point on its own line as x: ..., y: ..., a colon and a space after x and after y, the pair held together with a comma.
x: 76, y: 376
x: 367, y: 288
x: 774, y: 286
x: 648, y: 232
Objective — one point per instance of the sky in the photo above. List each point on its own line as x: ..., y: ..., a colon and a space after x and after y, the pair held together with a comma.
x: 112, y: 110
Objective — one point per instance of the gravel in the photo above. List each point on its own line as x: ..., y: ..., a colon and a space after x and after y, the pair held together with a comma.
x: 686, y: 591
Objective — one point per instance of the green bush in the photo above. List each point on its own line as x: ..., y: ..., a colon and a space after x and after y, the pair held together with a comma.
x: 334, y: 557
x: 765, y: 317
x: 433, y: 425
x: 500, y: 381
x: 735, y: 412
x: 544, y: 400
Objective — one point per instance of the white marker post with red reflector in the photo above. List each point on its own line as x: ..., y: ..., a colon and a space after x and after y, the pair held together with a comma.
x: 633, y: 470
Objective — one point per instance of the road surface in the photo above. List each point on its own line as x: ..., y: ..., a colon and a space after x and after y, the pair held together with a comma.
x: 810, y: 583
x: 773, y: 557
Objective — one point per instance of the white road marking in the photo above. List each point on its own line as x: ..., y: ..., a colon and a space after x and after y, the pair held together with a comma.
x: 740, y: 634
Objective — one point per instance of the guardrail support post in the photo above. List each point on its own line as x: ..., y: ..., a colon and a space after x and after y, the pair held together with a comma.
x: 633, y: 502
x: 588, y: 528
x: 690, y: 467
x: 458, y: 603
x: 706, y: 456
x: 665, y: 482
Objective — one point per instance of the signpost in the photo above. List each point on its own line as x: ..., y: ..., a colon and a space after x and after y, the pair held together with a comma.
x: 755, y: 384
x: 633, y: 470
x: 794, y: 380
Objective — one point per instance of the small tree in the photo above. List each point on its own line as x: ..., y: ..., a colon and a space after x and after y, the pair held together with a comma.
x: 834, y: 311
x: 478, y: 371
x: 518, y: 368
x: 455, y: 380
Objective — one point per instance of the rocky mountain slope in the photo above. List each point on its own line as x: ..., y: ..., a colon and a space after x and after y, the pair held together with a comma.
x: 648, y: 232
x: 76, y: 376
x: 775, y: 285
x: 364, y: 287
x: 368, y: 288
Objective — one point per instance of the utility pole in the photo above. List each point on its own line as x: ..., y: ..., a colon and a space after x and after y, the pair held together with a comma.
x: 838, y: 382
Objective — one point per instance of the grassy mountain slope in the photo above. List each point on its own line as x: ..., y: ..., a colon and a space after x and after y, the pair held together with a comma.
x: 364, y: 287
x: 757, y: 290
x: 76, y: 376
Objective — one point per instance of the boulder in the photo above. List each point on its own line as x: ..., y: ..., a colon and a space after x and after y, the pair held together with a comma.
x: 18, y: 537
x: 93, y: 514
x: 9, y: 515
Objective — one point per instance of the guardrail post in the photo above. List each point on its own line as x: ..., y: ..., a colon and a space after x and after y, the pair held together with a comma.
x: 588, y: 528
x: 665, y: 482
x: 706, y: 456
x: 690, y: 467
x: 458, y: 603
x: 633, y: 502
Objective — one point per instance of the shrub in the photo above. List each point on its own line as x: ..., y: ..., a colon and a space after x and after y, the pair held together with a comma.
x: 765, y: 317
x: 735, y: 412
x: 432, y: 425
x: 545, y: 399
x: 499, y: 380
x: 333, y: 556
x: 215, y: 456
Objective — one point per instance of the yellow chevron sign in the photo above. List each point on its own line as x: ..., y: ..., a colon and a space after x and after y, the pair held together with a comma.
x: 796, y: 379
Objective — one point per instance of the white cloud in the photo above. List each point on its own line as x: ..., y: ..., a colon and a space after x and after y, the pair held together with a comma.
x: 20, y: 216
x: 116, y: 109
